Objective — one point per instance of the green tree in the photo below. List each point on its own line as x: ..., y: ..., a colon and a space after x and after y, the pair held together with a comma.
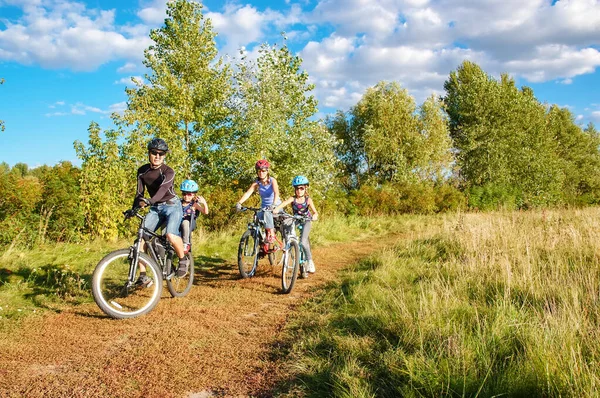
x: 184, y: 101
x: 386, y: 138
x: 107, y: 183
x: 61, y: 216
x: 350, y: 148
x: 578, y: 151
x: 273, y: 117
x: 500, y: 136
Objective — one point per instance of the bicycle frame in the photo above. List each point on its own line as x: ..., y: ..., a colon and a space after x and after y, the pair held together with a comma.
x: 163, y: 261
x: 292, y: 235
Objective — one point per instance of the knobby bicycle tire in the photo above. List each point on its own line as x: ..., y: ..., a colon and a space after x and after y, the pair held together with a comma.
x: 180, y: 287
x: 248, y: 253
x: 289, y: 270
x: 111, y: 291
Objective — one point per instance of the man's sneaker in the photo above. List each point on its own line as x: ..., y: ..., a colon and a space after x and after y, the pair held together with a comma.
x: 144, y: 281
x: 186, y: 248
x: 311, y: 267
x: 183, y: 267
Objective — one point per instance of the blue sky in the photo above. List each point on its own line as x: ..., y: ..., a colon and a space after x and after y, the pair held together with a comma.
x: 66, y: 63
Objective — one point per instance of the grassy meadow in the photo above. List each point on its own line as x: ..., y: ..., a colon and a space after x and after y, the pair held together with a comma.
x: 488, y: 304
x: 463, y: 304
x: 57, y: 276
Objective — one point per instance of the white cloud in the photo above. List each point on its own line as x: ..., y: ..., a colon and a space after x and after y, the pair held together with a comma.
x: 118, y: 107
x: 347, y: 45
x: 64, y: 34
x: 154, y: 13
x: 418, y: 43
x: 351, y: 17
x: 83, y: 109
x: 128, y: 80
x: 129, y: 67
x: 555, y: 61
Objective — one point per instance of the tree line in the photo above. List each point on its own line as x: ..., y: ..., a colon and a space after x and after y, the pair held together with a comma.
x: 484, y: 144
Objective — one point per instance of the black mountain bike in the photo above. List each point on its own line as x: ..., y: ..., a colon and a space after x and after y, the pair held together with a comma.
x: 253, y: 245
x: 116, y: 284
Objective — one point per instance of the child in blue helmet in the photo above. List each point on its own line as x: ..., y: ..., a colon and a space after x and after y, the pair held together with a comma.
x: 192, y: 207
x: 302, y: 205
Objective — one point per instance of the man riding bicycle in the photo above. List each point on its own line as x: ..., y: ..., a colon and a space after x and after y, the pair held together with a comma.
x: 165, y: 205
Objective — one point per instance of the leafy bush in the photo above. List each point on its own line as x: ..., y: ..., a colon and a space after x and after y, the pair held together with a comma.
x: 449, y: 198
x: 493, y: 197
x: 221, y: 205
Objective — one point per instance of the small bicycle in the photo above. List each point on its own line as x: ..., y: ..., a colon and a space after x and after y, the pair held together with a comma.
x: 116, y: 284
x: 252, y: 245
x: 294, y: 258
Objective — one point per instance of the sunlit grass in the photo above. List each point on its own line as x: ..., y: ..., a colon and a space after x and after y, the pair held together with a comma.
x: 477, y: 305
x: 57, y: 276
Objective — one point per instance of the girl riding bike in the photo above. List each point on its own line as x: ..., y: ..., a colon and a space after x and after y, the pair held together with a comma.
x: 302, y: 205
x: 268, y: 189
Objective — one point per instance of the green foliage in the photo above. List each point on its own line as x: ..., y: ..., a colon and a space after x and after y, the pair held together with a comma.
x: 404, y: 197
x: 19, y: 197
x: 39, y: 203
x: 494, y: 197
x: 107, y: 183
x: 384, y: 139
x: 578, y: 151
x: 220, y: 203
x: 61, y: 216
x: 184, y: 101
x: 273, y: 118
x: 502, y: 138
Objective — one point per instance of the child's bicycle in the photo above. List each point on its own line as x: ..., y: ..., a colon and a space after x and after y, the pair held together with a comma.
x: 117, y: 286
x: 253, y: 245
x: 294, y: 259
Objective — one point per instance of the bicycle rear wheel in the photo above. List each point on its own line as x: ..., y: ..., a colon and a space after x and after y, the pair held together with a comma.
x: 181, y: 286
x: 289, y: 271
x: 119, y: 298
x: 248, y: 253
x: 276, y: 255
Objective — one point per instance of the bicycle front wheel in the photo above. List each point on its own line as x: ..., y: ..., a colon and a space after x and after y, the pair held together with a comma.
x: 248, y: 253
x: 289, y: 271
x: 116, y: 295
x: 180, y: 286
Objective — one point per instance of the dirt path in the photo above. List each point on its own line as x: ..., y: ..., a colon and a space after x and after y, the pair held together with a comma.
x: 217, y: 341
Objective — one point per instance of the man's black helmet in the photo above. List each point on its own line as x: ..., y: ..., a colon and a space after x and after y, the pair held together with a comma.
x: 158, y: 144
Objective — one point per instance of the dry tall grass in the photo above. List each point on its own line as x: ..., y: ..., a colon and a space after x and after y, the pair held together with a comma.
x: 488, y: 304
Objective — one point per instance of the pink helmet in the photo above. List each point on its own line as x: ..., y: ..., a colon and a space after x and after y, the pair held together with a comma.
x: 262, y: 164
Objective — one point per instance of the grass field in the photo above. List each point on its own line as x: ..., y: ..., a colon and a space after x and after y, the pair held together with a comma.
x: 57, y: 276
x: 498, y: 304
x: 476, y: 304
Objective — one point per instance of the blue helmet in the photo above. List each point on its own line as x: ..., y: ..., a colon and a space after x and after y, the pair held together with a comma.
x: 299, y: 180
x: 188, y: 186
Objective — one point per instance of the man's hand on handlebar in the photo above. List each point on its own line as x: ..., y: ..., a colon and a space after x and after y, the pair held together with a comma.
x: 130, y: 212
x: 143, y: 202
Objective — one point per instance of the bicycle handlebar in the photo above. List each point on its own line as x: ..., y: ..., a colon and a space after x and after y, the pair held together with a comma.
x: 255, y: 209
x: 294, y: 216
